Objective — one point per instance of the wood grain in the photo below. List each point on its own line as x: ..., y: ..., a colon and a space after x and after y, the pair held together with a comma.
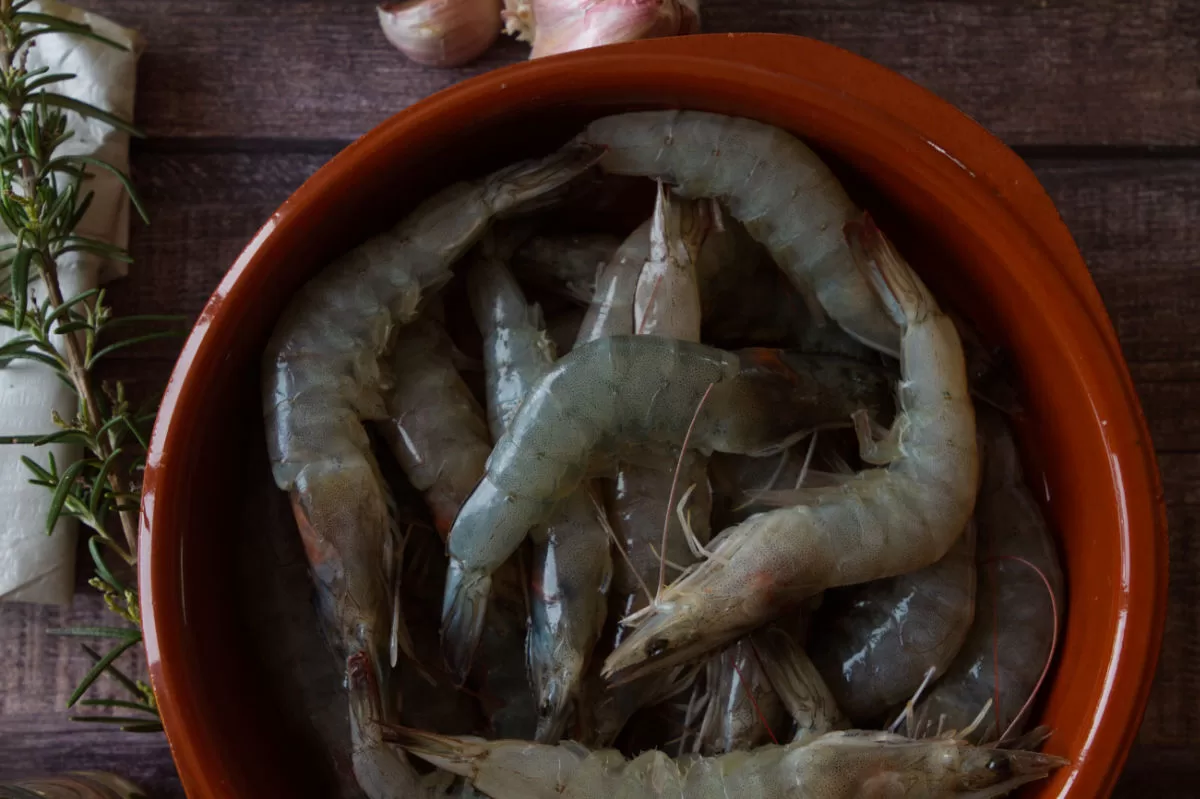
x: 1035, y: 72
x: 38, y: 671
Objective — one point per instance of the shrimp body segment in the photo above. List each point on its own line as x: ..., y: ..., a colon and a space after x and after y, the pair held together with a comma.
x: 1014, y: 624
x: 773, y: 184
x: 838, y: 765
x: 435, y: 428
x: 876, y: 643
x: 323, y: 376
x: 878, y: 523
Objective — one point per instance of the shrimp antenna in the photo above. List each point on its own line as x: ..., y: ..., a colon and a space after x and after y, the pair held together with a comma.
x: 750, y: 695
x: 1049, y: 656
x: 602, y: 517
x: 662, y: 566
x: 754, y: 495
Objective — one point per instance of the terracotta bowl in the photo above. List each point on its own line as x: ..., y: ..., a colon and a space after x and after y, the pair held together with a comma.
x: 965, y: 209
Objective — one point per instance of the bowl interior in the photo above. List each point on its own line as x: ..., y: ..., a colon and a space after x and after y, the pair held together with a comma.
x: 216, y: 479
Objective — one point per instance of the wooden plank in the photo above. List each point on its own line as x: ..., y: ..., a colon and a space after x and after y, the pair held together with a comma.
x: 39, y: 673
x: 1034, y: 72
x: 1173, y: 714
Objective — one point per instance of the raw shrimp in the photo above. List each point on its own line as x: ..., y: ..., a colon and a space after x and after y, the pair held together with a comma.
x: 876, y: 643
x: 1015, y: 619
x: 642, y: 389
x: 838, y: 765
x: 610, y: 311
x: 435, y: 428
x: 667, y: 303
x: 798, y: 684
x: 564, y: 263
x: 572, y: 563
x: 322, y: 377
x: 771, y: 182
x: 744, y: 710
x: 878, y: 523
x: 667, y: 298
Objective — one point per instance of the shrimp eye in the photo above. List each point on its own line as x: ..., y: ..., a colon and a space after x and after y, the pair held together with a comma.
x: 1000, y: 767
x: 657, y: 647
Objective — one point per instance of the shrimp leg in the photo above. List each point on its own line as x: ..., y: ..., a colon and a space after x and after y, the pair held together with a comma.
x: 884, y: 522
x: 323, y: 376
x: 773, y: 184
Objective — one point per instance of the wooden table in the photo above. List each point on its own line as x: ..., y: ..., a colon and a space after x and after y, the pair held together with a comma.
x: 244, y: 100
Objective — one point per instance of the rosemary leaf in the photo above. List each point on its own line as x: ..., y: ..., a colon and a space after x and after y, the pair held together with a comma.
x: 112, y: 670
x: 102, y: 567
x: 109, y: 719
x: 65, y: 484
x: 89, y: 110
x: 46, y: 80
x: 121, y: 703
x: 19, y: 277
x: 121, y: 633
x: 125, y: 181
x: 120, y: 345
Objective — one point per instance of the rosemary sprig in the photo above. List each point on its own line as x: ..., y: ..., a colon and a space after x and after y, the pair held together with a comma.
x: 43, y: 198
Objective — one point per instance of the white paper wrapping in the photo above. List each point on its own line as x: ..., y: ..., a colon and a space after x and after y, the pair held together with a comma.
x: 35, y: 567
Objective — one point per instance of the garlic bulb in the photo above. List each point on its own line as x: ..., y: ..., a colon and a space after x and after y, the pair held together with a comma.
x: 560, y: 26
x: 441, y: 33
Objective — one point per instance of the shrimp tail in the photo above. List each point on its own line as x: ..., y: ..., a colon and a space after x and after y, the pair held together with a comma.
x: 463, y: 613
x: 456, y: 755
x: 902, y: 293
x: 523, y: 187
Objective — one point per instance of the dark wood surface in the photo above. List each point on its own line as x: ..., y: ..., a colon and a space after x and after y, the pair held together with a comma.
x: 244, y: 100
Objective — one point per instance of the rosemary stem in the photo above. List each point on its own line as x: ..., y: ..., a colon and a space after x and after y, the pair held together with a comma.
x: 77, y: 371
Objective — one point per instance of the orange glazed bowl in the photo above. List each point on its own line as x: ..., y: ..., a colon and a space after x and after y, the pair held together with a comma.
x: 967, y: 212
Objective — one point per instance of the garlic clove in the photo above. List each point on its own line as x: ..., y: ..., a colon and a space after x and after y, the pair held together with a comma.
x: 560, y: 26
x: 441, y: 33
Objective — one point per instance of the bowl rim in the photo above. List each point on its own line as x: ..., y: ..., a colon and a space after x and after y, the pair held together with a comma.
x: 963, y: 153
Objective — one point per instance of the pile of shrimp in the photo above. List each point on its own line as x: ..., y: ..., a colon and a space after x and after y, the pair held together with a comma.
x: 725, y: 505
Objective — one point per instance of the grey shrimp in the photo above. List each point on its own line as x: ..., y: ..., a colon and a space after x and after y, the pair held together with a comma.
x: 323, y: 376
x: 773, y: 184
x: 1015, y: 620
x: 878, y: 643
x: 666, y: 302
x: 837, y: 765
x: 572, y: 563
x: 878, y: 523
x: 618, y: 389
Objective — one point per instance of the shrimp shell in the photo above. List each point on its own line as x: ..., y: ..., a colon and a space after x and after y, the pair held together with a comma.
x: 876, y: 643
x: 773, y: 184
x: 323, y: 376
x: 1015, y: 617
x: 879, y: 523
x: 838, y: 765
